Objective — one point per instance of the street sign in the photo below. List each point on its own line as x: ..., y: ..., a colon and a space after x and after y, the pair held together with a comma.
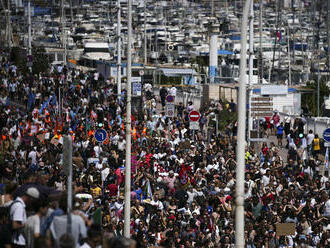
x: 326, y: 135
x: 137, y: 89
x: 100, y: 135
x: 262, y: 114
x: 193, y: 125
x: 169, y: 98
x: 261, y: 106
x: 170, y: 109
x: 136, y: 79
x: 262, y: 109
x: 194, y: 116
x: 260, y: 99
x: 267, y: 104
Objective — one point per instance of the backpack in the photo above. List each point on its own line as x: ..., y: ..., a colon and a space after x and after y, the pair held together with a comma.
x: 6, y: 225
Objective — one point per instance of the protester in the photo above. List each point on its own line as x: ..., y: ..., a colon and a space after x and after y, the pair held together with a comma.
x: 18, y: 216
x: 183, y: 185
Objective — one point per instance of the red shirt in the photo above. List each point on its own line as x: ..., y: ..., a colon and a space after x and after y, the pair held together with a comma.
x: 113, y: 189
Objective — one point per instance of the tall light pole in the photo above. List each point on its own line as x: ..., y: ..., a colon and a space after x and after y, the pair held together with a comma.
x: 251, y: 53
x: 240, y: 148
x: 127, y: 207
x: 318, y: 76
x: 289, y: 56
x: 251, y: 37
x: 29, y: 36
x: 260, y: 42
x: 145, y: 35
x: 63, y: 30
x: 328, y: 35
x: 118, y: 50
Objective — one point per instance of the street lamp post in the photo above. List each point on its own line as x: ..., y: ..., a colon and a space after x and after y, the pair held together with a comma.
x: 240, y: 148
x: 29, y: 37
x: 251, y: 55
x: 127, y: 207
x: 118, y: 50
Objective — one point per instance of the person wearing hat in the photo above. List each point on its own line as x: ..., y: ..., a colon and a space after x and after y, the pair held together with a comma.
x: 18, y: 215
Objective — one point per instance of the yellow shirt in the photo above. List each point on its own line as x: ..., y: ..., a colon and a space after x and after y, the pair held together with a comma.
x: 316, y: 144
x: 96, y: 191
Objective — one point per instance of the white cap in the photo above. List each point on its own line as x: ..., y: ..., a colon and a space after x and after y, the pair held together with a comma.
x: 32, y: 192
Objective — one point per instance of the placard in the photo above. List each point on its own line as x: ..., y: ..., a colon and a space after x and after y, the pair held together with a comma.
x: 283, y: 229
x: 185, y: 145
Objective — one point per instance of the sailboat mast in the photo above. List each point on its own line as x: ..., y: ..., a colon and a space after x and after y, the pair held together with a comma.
x: 261, y: 75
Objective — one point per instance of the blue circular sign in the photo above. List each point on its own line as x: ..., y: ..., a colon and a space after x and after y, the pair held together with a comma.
x: 100, y: 135
x: 326, y: 135
x: 170, y: 98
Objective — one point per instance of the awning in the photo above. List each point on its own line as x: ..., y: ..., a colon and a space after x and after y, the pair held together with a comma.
x: 169, y: 72
x: 224, y: 52
x: 220, y: 52
x: 235, y: 37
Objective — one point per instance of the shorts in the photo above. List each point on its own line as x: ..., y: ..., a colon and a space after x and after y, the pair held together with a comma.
x: 279, y: 136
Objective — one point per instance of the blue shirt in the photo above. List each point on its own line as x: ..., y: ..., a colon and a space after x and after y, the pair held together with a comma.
x: 280, y: 129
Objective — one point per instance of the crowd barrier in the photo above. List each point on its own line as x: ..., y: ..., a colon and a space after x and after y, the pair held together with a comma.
x: 316, y: 124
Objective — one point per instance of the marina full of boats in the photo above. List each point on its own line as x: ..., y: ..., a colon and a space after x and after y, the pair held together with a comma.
x: 289, y: 37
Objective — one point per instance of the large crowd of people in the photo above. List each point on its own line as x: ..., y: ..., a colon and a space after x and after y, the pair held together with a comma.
x: 182, y: 184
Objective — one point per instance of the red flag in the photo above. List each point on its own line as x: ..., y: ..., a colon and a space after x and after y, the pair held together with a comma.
x: 183, y: 175
x: 279, y: 36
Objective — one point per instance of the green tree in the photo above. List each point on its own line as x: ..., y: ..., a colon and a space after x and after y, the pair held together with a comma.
x: 40, y: 60
x: 310, y: 99
x: 39, y: 57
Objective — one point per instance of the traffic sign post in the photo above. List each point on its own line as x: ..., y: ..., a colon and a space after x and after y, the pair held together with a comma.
x: 194, y: 116
x: 169, y: 99
x: 194, y: 125
x: 100, y: 135
x: 137, y: 89
x: 170, y: 109
x: 326, y: 135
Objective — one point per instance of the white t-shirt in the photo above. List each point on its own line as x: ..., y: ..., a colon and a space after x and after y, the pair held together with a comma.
x: 97, y: 150
x: 85, y: 245
x: 121, y: 145
x: 191, y: 196
x: 105, y: 173
x: 265, y: 180
x: 157, y: 204
x: 33, y: 156
x: 119, y: 206
x: 18, y: 213
x: 173, y: 91
x: 58, y: 228
x: 32, y: 227
x: 310, y: 138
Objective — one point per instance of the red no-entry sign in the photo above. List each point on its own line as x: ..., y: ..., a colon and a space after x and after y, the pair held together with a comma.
x: 194, y: 115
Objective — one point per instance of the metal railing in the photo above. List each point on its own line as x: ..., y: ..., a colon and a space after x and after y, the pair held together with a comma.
x: 316, y: 124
